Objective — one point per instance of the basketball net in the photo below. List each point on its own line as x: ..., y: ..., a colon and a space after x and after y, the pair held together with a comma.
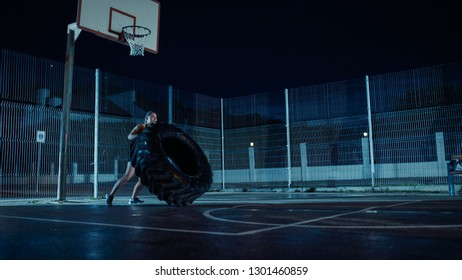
x: 136, y: 37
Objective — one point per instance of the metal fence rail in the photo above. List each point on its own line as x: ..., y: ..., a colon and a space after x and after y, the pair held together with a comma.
x: 312, y: 137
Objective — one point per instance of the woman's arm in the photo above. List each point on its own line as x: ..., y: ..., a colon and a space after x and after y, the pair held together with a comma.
x: 135, y: 131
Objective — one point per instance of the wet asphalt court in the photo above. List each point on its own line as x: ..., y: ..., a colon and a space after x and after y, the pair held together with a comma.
x: 238, y: 226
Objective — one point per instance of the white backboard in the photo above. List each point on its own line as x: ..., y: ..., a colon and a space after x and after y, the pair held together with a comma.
x: 107, y: 17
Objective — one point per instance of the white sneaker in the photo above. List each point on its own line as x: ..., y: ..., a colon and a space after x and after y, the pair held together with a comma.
x: 135, y: 201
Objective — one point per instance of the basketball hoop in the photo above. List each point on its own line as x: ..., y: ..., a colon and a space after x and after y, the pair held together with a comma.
x: 136, y: 37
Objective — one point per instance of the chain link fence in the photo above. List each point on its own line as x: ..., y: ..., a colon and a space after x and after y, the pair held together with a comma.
x: 384, y: 131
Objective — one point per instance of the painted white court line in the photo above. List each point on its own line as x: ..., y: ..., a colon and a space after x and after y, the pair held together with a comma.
x: 116, y: 225
x: 273, y: 226
x: 281, y: 226
x: 270, y: 226
x: 210, y: 216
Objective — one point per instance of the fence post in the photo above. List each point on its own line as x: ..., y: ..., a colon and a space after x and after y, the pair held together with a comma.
x: 222, y: 147
x: 252, y: 164
x: 42, y: 95
x: 371, y: 143
x: 440, y: 154
x: 365, y: 157
x: 95, y: 150
x: 289, y: 162
x: 116, y: 168
x: 304, y: 161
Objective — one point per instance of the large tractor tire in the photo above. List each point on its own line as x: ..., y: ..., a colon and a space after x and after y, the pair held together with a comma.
x: 171, y: 164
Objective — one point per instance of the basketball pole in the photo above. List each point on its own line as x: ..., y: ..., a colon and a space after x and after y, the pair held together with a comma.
x: 72, y: 34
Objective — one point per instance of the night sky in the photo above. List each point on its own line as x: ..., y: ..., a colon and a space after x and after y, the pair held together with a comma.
x: 234, y: 48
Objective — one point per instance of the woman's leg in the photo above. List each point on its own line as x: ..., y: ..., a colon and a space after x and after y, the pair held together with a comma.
x: 124, y: 179
x: 136, y: 189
